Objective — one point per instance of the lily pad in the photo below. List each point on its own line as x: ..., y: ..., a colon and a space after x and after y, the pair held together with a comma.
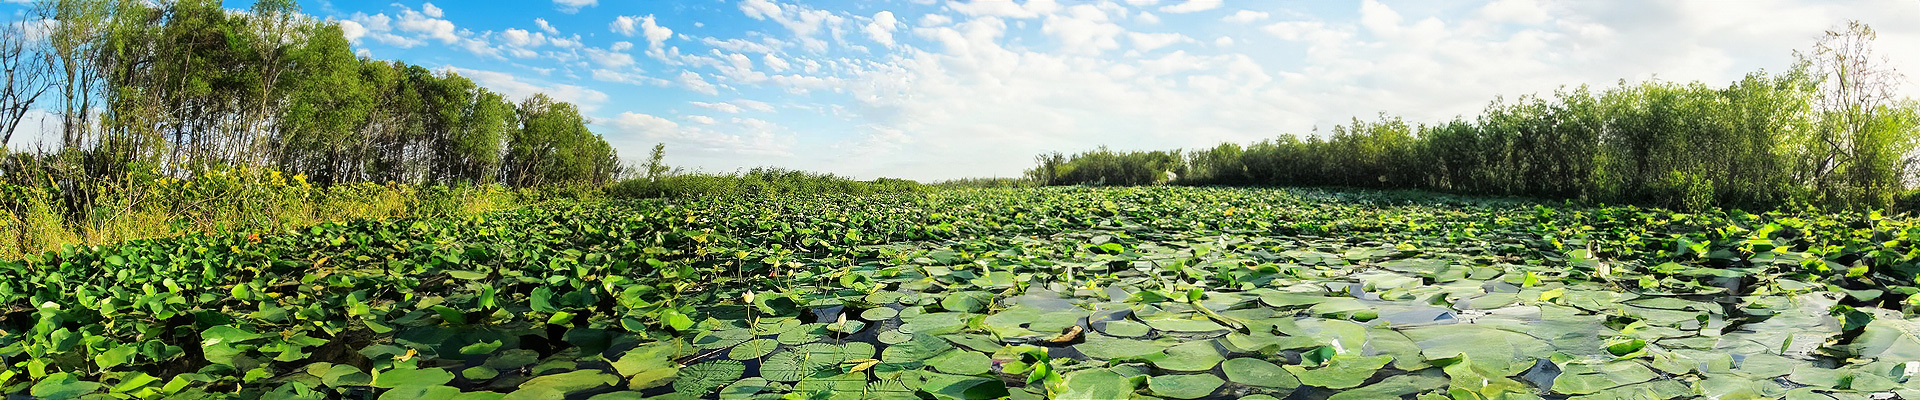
x: 1257, y: 372
x: 753, y: 349
x: 698, y: 379
x: 1184, y: 386
x: 1341, y: 371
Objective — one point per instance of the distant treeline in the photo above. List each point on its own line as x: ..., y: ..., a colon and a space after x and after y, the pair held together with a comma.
x: 1827, y: 133
x: 179, y: 86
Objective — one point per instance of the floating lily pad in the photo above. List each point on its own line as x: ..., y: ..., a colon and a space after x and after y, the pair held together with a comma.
x: 1341, y: 371
x: 1257, y: 372
x: 752, y: 349
x: 1184, y: 386
x: 704, y: 377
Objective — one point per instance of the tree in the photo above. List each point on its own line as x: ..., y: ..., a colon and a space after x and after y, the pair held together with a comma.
x: 1856, y: 87
x: 71, y: 43
x: 656, y: 162
x: 27, y: 78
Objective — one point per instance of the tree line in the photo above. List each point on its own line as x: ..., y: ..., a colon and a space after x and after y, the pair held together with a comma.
x: 1827, y: 132
x: 172, y: 87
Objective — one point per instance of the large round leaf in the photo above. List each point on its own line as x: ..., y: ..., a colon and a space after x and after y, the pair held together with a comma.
x: 1341, y: 371
x: 701, y: 378
x: 1257, y: 372
x: 1184, y: 386
x: 753, y: 349
x: 572, y: 382
x: 961, y: 362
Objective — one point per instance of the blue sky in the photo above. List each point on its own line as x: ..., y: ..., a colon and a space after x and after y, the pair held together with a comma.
x: 939, y: 89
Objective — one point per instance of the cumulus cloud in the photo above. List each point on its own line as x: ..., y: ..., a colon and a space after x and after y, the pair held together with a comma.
x: 546, y: 27
x: 1192, y: 6
x: 732, y: 138
x: 410, y: 28
x: 628, y: 25
x: 804, y: 22
x: 882, y: 27
x: 734, y: 107
x: 1245, y: 16
x: 694, y: 82
x: 1006, y: 8
x: 1084, y: 29
x: 513, y: 87
x: 1151, y: 41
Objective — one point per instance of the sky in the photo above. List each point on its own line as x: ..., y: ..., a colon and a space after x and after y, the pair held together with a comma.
x: 943, y: 89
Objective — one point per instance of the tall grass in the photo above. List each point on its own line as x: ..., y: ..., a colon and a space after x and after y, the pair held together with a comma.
x: 45, y: 217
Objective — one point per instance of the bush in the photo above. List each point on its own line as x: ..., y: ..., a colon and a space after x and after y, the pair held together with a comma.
x: 765, y: 181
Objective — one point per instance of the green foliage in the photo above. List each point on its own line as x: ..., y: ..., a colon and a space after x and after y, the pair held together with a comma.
x: 1206, y: 292
x: 768, y: 182
x: 1108, y: 167
x: 143, y: 204
x: 186, y: 85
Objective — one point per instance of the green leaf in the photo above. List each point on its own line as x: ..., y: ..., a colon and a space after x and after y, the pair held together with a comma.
x: 967, y: 301
x: 698, y: 379
x: 1341, y: 371
x: 421, y: 392
x: 1257, y: 372
x: 1097, y: 384
x: 481, y: 348
x: 753, y: 349
x: 1191, y: 356
x: 961, y: 362
x: 63, y: 386
x: 572, y: 382
x: 412, y: 377
x: 1183, y: 386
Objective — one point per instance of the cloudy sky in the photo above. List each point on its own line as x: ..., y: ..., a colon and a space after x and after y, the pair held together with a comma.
x: 939, y: 89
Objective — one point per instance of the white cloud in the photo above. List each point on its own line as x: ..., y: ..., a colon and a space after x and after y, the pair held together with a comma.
x: 1147, y: 18
x: 588, y: 100
x: 427, y: 25
x: 805, y: 22
x: 733, y: 139
x: 930, y: 20
x: 1526, y: 12
x: 1085, y: 29
x: 692, y: 81
x: 573, y: 6
x: 1151, y: 41
x: 628, y: 25
x: 768, y: 45
x: 352, y: 30
x: 1005, y: 8
x: 775, y: 63
x: 1192, y: 6
x: 1143, y: 3
x: 432, y: 11
x: 724, y: 107
x: 735, y: 106
x: 522, y: 38
x: 544, y: 26
x: 1245, y: 16
x: 610, y: 58
x: 882, y: 27
x: 1223, y: 41
x: 754, y: 105
x: 701, y: 119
